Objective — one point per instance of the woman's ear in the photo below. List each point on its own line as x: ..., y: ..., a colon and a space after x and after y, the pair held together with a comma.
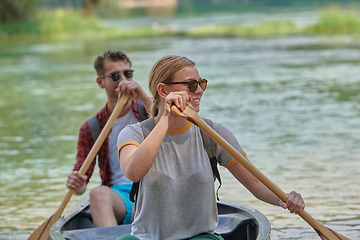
x: 161, y: 90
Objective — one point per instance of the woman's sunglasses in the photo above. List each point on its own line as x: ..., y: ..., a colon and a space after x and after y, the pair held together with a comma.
x: 115, y: 76
x: 193, y: 84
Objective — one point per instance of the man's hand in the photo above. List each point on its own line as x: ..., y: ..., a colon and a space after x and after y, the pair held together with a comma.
x: 133, y: 90
x: 77, y: 182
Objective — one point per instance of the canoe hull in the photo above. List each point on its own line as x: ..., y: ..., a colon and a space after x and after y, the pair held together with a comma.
x: 236, y: 221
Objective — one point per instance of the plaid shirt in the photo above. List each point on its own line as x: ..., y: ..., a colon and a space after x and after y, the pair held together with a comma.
x: 85, y: 143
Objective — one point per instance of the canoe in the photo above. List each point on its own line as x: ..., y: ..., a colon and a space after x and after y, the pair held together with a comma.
x: 236, y: 222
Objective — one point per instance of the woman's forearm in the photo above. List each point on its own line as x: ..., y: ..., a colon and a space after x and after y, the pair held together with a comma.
x: 261, y: 192
x: 258, y: 189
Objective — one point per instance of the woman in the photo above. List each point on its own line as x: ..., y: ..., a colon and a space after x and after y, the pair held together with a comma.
x: 176, y: 198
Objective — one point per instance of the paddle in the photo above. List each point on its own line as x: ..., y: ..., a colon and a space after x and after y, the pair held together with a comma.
x: 43, y: 232
x: 191, y: 115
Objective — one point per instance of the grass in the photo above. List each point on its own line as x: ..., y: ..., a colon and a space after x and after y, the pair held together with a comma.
x: 268, y: 28
x: 331, y: 20
x: 63, y: 24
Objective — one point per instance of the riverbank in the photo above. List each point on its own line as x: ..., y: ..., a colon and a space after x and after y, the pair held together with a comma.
x: 69, y: 24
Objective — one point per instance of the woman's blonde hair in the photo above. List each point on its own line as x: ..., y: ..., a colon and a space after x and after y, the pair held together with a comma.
x: 163, y: 71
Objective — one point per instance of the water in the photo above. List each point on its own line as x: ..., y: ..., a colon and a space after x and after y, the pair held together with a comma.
x: 292, y: 102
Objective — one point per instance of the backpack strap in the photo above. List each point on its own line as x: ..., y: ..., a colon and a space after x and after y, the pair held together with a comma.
x: 139, y: 110
x: 209, y: 145
x: 94, y: 126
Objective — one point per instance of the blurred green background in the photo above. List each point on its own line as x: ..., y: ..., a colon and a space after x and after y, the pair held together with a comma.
x: 284, y: 77
x: 61, y: 20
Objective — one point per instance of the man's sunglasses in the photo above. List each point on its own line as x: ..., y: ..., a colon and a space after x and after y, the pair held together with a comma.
x: 192, y: 84
x: 115, y: 76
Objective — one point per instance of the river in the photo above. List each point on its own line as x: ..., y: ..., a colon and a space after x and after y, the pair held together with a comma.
x: 292, y: 102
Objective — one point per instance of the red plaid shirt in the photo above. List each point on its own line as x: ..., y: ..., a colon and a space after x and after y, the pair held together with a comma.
x: 85, y: 143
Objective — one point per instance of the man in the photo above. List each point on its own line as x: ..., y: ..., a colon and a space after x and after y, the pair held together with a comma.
x: 110, y: 204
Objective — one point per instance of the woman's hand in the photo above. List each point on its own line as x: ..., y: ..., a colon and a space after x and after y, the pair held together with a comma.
x: 179, y: 99
x: 295, y: 203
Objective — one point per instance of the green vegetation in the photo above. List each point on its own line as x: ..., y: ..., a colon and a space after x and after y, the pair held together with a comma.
x: 332, y: 20
x: 268, y: 28
x: 62, y: 24
x: 15, y: 10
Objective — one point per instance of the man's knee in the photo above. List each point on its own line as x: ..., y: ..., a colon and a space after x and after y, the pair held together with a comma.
x: 100, y: 193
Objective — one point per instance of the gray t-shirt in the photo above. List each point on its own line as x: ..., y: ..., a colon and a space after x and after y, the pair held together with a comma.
x: 176, y: 198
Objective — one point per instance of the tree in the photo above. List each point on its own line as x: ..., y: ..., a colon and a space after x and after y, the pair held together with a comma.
x: 15, y: 10
x: 89, y: 5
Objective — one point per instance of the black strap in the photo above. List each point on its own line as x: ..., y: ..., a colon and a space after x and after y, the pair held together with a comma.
x: 134, y: 190
x: 141, y: 110
x: 94, y: 126
x: 209, y: 145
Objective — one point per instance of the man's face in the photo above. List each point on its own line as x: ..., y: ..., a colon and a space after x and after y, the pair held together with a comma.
x: 114, y: 68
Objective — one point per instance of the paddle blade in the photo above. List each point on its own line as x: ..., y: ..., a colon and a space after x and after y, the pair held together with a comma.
x: 43, y: 231
x: 329, y: 234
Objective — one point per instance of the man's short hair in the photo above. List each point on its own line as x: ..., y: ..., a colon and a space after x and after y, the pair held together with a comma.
x: 112, y: 55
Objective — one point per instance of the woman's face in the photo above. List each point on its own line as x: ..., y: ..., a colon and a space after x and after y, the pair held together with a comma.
x: 185, y: 75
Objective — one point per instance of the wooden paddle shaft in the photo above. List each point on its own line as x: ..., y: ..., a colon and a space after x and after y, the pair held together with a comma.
x: 103, y: 134
x: 43, y: 231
